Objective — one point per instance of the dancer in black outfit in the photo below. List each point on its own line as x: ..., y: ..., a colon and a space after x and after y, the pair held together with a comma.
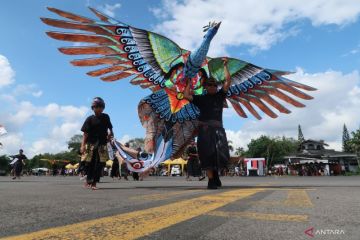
x: 18, y: 165
x: 212, y: 142
x: 97, y: 130
x: 193, y: 164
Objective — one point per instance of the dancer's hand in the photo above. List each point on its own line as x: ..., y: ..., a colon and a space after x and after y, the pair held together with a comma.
x: 187, y: 94
x: 110, y: 138
x: 225, y: 60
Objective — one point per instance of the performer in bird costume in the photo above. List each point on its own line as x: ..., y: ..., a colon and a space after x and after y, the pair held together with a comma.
x: 154, y: 62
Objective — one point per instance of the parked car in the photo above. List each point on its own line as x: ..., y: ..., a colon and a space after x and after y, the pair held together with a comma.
x: 176, y: 170
x: 2, y: 172
x: 39, y: 171
x: 164, y: 173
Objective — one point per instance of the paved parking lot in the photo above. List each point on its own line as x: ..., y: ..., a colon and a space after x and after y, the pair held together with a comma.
x: 172, y: 208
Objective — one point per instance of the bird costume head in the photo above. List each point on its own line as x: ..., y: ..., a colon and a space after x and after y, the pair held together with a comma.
x: 211, y: 29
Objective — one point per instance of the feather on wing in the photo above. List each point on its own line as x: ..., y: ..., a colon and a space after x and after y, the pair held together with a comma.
x: 253, y: 85
x: 130, y: 52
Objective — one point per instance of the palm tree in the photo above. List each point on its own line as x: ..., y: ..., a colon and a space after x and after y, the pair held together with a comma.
x: 239, y: 151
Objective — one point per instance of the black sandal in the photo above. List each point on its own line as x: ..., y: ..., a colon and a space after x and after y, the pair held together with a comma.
x: 211, y: 184
x: 217, y: 179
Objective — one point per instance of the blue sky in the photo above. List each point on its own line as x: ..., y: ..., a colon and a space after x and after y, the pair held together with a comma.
x: 323, y: 47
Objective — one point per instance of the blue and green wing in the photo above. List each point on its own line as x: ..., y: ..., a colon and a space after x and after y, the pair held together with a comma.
x: 254, y: 86
x: 125, y: 51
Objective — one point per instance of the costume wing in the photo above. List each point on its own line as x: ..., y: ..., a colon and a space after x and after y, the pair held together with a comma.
x: 253, y: 85
x: 151, y: 61
x: 125, y: 51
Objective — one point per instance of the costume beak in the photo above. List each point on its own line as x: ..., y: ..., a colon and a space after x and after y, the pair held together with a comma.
x: 218, y: 25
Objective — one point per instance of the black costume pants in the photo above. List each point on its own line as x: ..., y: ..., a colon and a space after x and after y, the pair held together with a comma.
x: 115, y: 169
x: 94, y: 168
x: 213, y: 147
x: 18, y: 166
x: 193, y: 167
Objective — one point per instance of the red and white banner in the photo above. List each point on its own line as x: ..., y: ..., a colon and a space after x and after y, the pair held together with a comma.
x: 257, y: 164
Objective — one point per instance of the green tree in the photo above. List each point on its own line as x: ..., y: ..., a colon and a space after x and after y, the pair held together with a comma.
x: 36, y: 161
x: 240, y: 151
x: 45, y: 159
x: 72, y: 156
x: 136, y: 143
x: 4, y: 163
x: 286, y: 146
x: 345, y: 140
x: 354, y: 144
x: 259, y: 147
x: 75, y: 142
x: 273, y: 149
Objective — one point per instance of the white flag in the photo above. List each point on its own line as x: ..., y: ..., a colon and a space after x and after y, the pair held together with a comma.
x: 2, y: 130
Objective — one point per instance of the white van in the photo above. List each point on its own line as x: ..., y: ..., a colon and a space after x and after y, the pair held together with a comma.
x: 176, y: 170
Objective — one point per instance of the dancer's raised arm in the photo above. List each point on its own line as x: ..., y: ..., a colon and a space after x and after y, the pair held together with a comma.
x: 187, y: 91
x: 227, y: 76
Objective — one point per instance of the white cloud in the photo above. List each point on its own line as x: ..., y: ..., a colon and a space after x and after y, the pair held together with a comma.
x: 62, y: 121
x: 109, y: 9
x: 125, y: 138
x: 58, y: 123
x: 25, y: 89
x: 66, y: 130
x: 7, y: 74
x: 80, y: 44
x: 12, y: 142
x: 353, y: 51
x: 336, y: 102
x: 259, y: 24
x: 23, y: 112
x: 242, y: 138
x: 37, y: 94
x: 68, y: 113
x: 56, y: 141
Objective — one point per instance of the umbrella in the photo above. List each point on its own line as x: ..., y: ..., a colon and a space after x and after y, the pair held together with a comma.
x: 167, y: 162
x: 69, y: 166
x: 109, y: 163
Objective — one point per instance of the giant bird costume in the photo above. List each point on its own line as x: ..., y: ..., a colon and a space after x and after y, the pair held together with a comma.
x: 154, y: 62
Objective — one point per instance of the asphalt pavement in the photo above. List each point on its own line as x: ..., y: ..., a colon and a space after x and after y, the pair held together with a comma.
x: 284, y: 207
